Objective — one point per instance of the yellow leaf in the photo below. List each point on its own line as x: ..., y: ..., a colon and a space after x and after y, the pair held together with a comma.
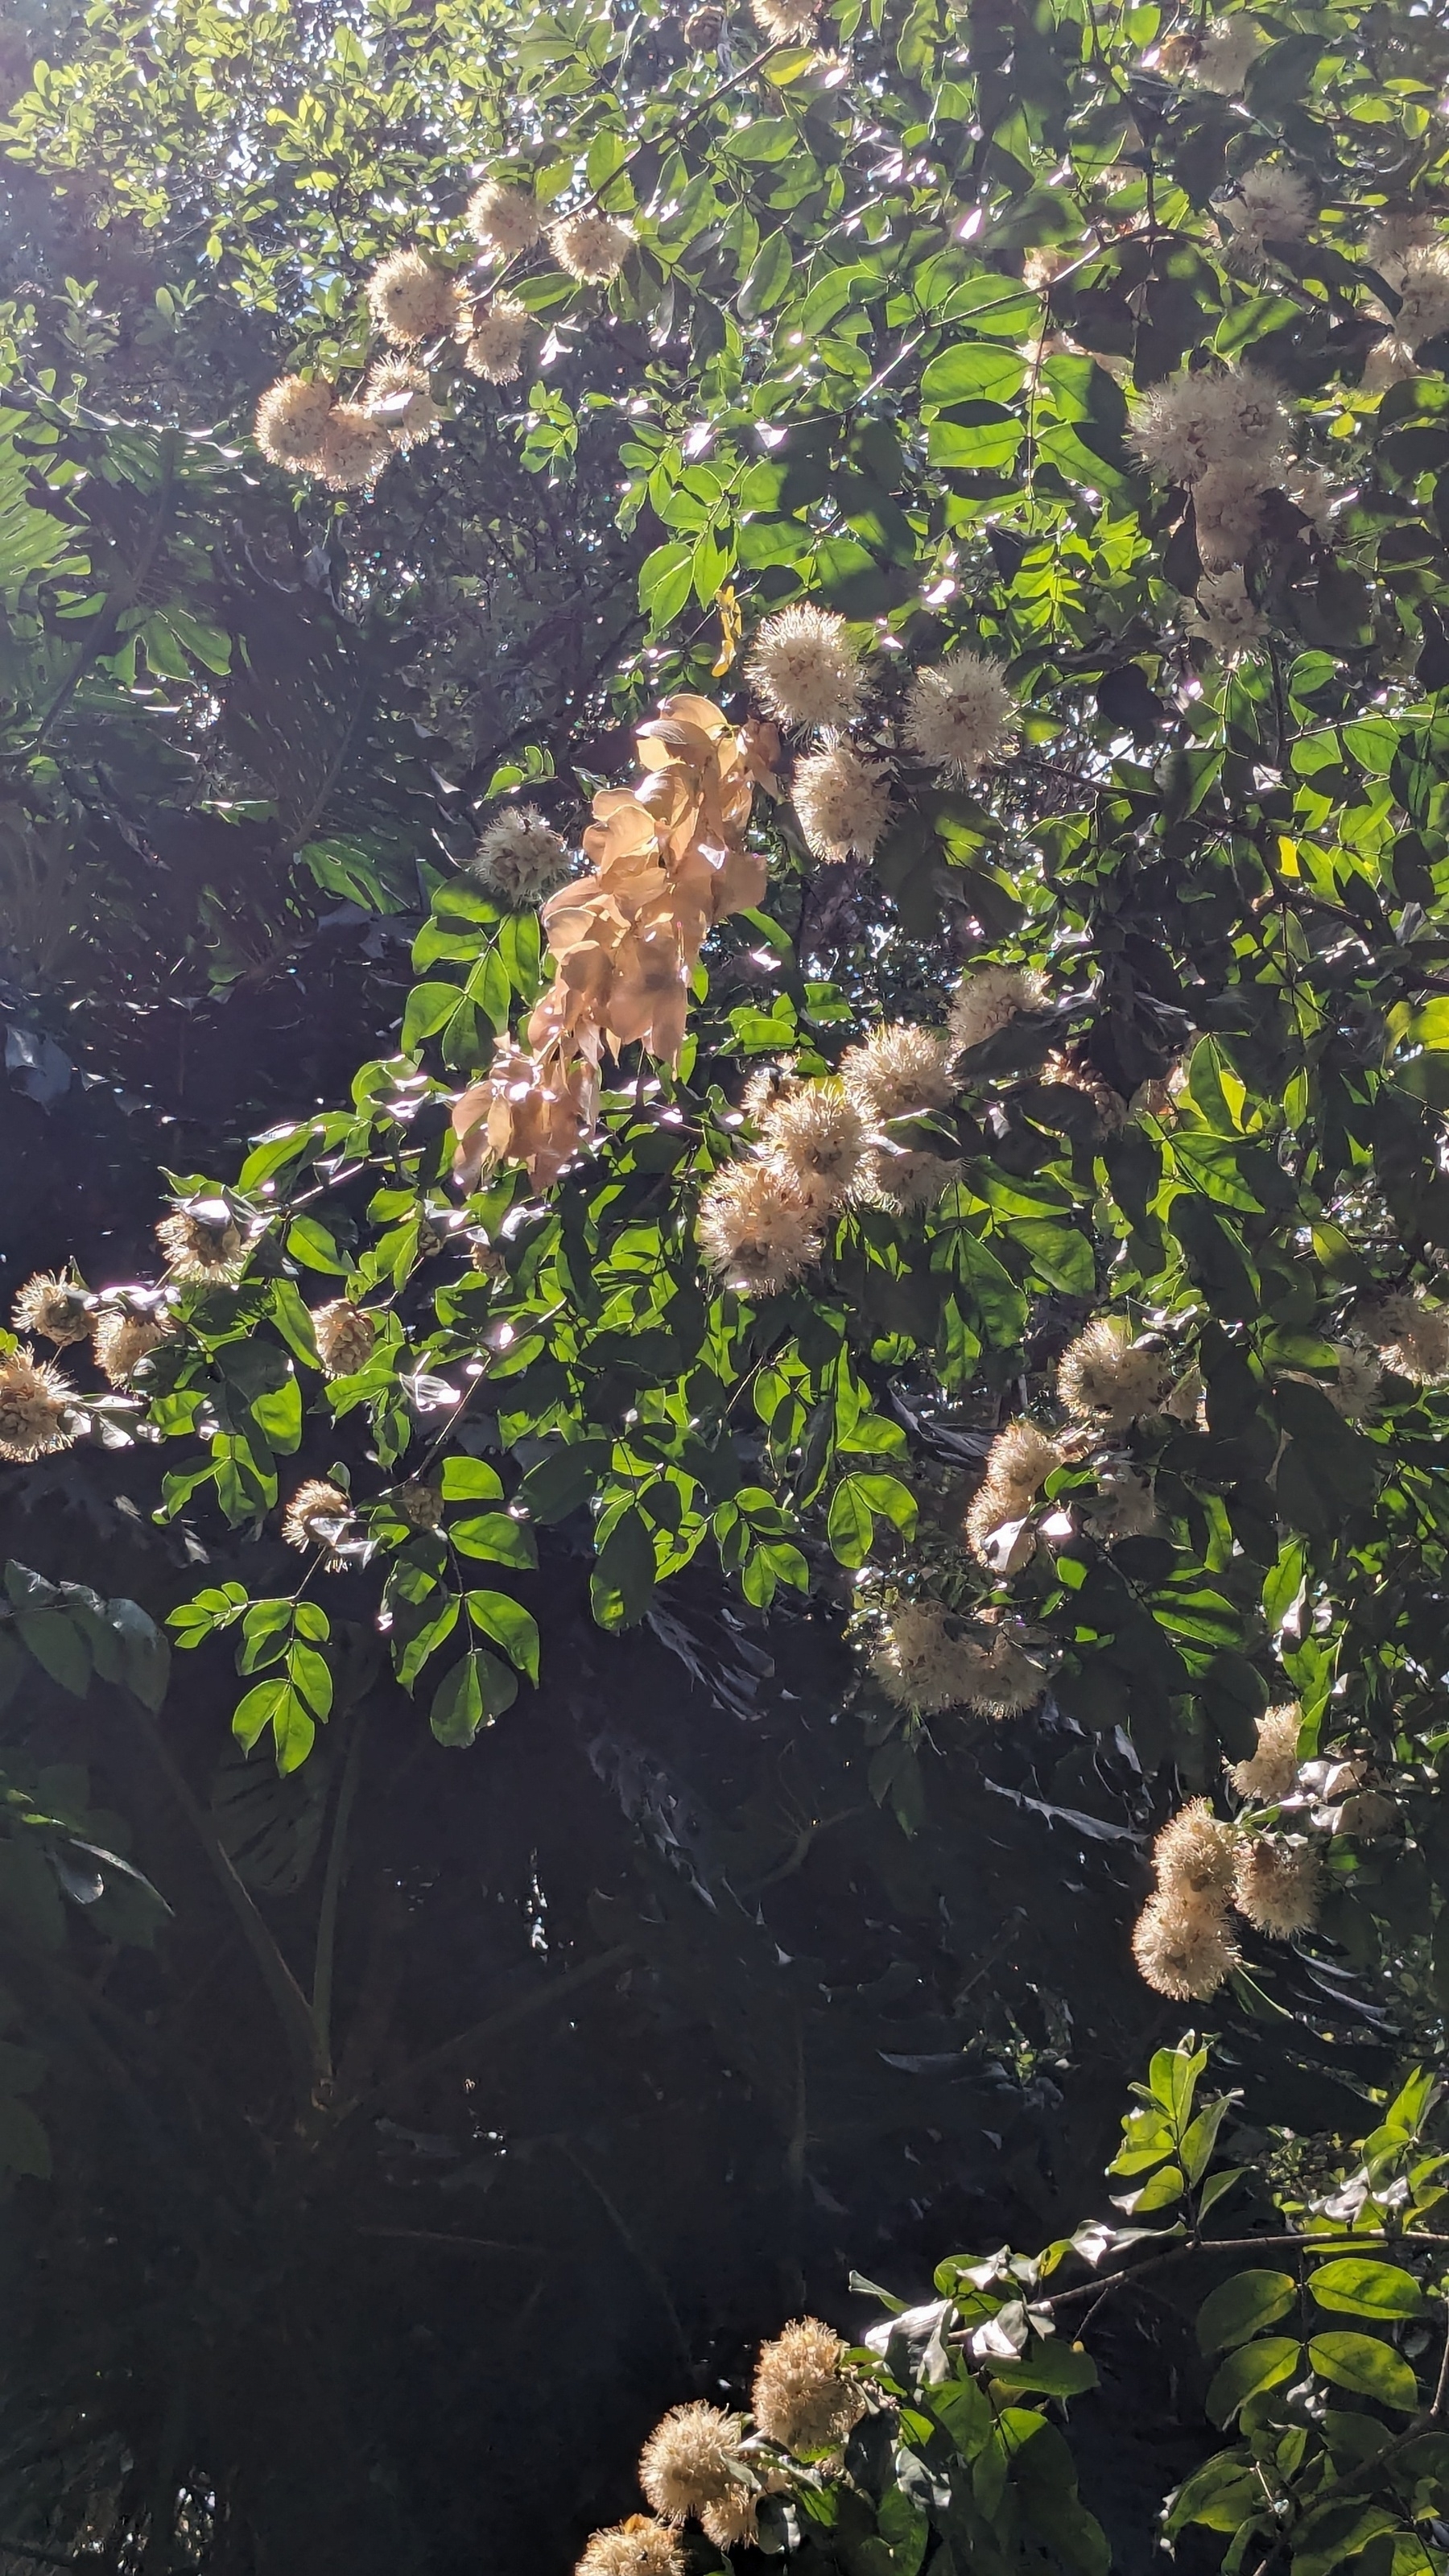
x: 731, y: 627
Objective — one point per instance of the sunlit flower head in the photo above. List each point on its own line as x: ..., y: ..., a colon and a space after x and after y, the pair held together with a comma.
x: 787, y: 22
x: 1195, y: 1853
x: 122, y: 1340
x: 344, y: 1336
x: 1123, y: 1505
x: 1268, y: 204
x: 1186, y: 1952
x: 988, y: 998
x: 1412, y: 1336
x: 290, y: 421
x: 591, y: 246
x: 637, y: 2547
x: 755, y: 1231
x: 53, y: 1307
x: 800, y: 2398
x: 1227, y: 618
x: 902, y: 1180
x: 36, y: 1406
x: 691, y: 2461
x: 311, y: 1518
x: 519, y: 856
x: 1360, y: 1375
x: 410, y: 300
x: 959, y: 713
x: 493, y: 341
x: 355, y: 447
x: 1278, y: 1885
x: 1105, y: 1378
x: 1270, y: 1771
x: 198, y: 1249
x: 805, y: 669
x: 843, y: 801
x: 1218, y: 416
x: 503, y: 218
x: 1227, y: 56
x: 396, y: 393
x: 918, y: 1664
x: 1227, y: 511
x: 899, y: 1068
x: 816, y: 1134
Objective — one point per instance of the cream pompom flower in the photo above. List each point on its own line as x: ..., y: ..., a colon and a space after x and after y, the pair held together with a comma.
x: 917, y: 1663
x: 1226, y: 617
x: 591, y: 246
x: 1105, y: 1378
x: 1424, y: 289
x: 638, y: 2546
x: 519, y: 856
x: 787, y: 22
x: 816, y: 1134
x: 1185, y: 1952
x: 1278, y: 1885
x: 345, y: 1337
x: 1227, y: 511
x: 1227, y: 56
x: 898, y: 1179
x: 799, y: 2397
x: 1018, y: 1464
x: 1412, y: 1336
x: 53, y: 1307
x: 1271, y: 1770
x: 1123, y: 1505
x: 291, y: 421
x: 1360, y: 1374
x: 493, y: 341
x: 958, y: 714
x: 899, y: 1068
x: 314, y: 1515
x: 36, y: 1407
x: 1219, y: 416
x: 1000, y: 1679
x: 755, y: 1231
x: 207, y: 1251
x: 1268, y: 204
x: 843, y: 801
x: 692, y: 2462
x: 122, y: 1340
x: 354, y: 448
x: 988, y: 998
x: 396, y: 394
x: 410, y: 300
x: 1195, y: 1855
x: 804, y: 668
x: 504, y: 219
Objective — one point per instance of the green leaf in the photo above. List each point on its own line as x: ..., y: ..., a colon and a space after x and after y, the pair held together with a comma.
x: 1242, y: 2306
x: 58, y: 1647
x: 1368, y: 2367
x: 24, y: 2146
x: 471, y: 1694
x: 312, y: 1245
x: 849, y: 1525
x: 973, y: 370
x: 770, y: 274
x: 1358, y: 2288
x: 470, y: 1480
x: 497, y: 1537
x: 1253, y: 2367
x: 510, y: 1626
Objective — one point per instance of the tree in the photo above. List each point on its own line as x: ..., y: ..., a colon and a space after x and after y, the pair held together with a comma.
x: 994, y: 475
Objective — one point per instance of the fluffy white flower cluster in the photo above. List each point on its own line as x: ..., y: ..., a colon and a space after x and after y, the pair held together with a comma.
x: 1268, y: 204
